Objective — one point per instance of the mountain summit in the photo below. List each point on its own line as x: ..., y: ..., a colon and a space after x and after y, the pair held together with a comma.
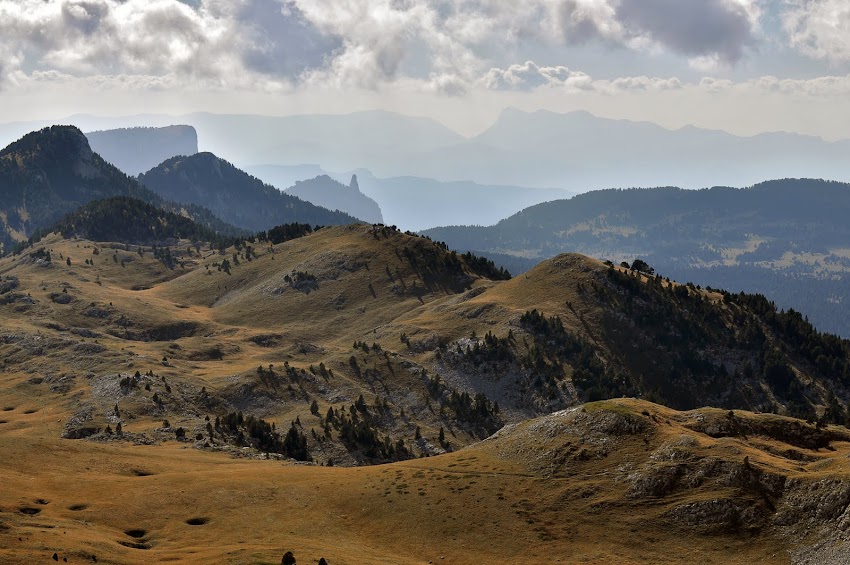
x: 328, y: 193
x: 52, y: 172
x: 234, y: 195
x: 49, y: 173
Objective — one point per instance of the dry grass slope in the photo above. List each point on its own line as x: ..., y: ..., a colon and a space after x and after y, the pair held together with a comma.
x: 621, y: 481
x: 624, y: 481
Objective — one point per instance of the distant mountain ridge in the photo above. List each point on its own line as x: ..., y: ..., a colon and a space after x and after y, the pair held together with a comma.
x: 326, y: 192
x: 580, y: 151
x: 576, y: 151
x: 416, y: 203
x: 420, y: 203
x: 136, y: 150
x: 234, y: 195
x: 741, y: 239
x: 809, y: 214
x: 49, y: 173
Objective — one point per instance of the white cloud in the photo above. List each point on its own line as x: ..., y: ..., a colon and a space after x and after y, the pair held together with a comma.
x: 706, y: 63
x: 219, y: 43
x: 819, y: 28
x: 820, y: 87
x: 710, y: 84
x: 643, y: 83
x: 530, y: 75
x: 382, y: 39
x: 446, y: 45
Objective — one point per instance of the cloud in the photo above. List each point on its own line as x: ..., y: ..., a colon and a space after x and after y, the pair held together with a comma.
x: 448, y: 84
x: 382, y: 39
x: 643, y: 83
x: 715, y: 85
x: 437, y: 46
x: 530, y: 75
x: 222, y: 43
x: 820, y: 87
x: 717, y: 29
x: 819, y: 28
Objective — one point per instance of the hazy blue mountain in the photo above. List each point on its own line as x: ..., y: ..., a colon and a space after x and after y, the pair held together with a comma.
x: 51, y: 172
x: 328, y: 193
x: 136, y: 150
x: 575, y: 151
x: 233, y: 194
x: 580, y: 151
x: 780, y: 238
x: 420, y: 203
x: 336, y: 142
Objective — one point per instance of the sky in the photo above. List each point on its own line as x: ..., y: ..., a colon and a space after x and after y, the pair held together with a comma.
x: 744, y: 66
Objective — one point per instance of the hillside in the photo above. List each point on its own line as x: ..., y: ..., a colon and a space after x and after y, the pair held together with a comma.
x: 786, y: 239
x: 233, y: 195
x: 398, y: 330
x: 51, y: 172
x: 620, y: 482
x: 325, y: 192
x: 136, y: 150
x: 127, y: 220
x: 142, y: 380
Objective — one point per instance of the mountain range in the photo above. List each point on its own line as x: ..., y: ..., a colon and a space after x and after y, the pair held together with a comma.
x: 420, y: 203
x: 181, y: 365
x: 52, y: 172
x: 576, y: 151
x: 570, y: 330
x: 170, y: 392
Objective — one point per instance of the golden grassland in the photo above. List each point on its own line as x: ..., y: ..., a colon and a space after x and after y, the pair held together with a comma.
x: 509, y: 499
x: 364, y: 293
x: 528, y: 495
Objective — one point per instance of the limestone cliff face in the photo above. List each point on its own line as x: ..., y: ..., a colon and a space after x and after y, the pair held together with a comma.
x: 136, y: 150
